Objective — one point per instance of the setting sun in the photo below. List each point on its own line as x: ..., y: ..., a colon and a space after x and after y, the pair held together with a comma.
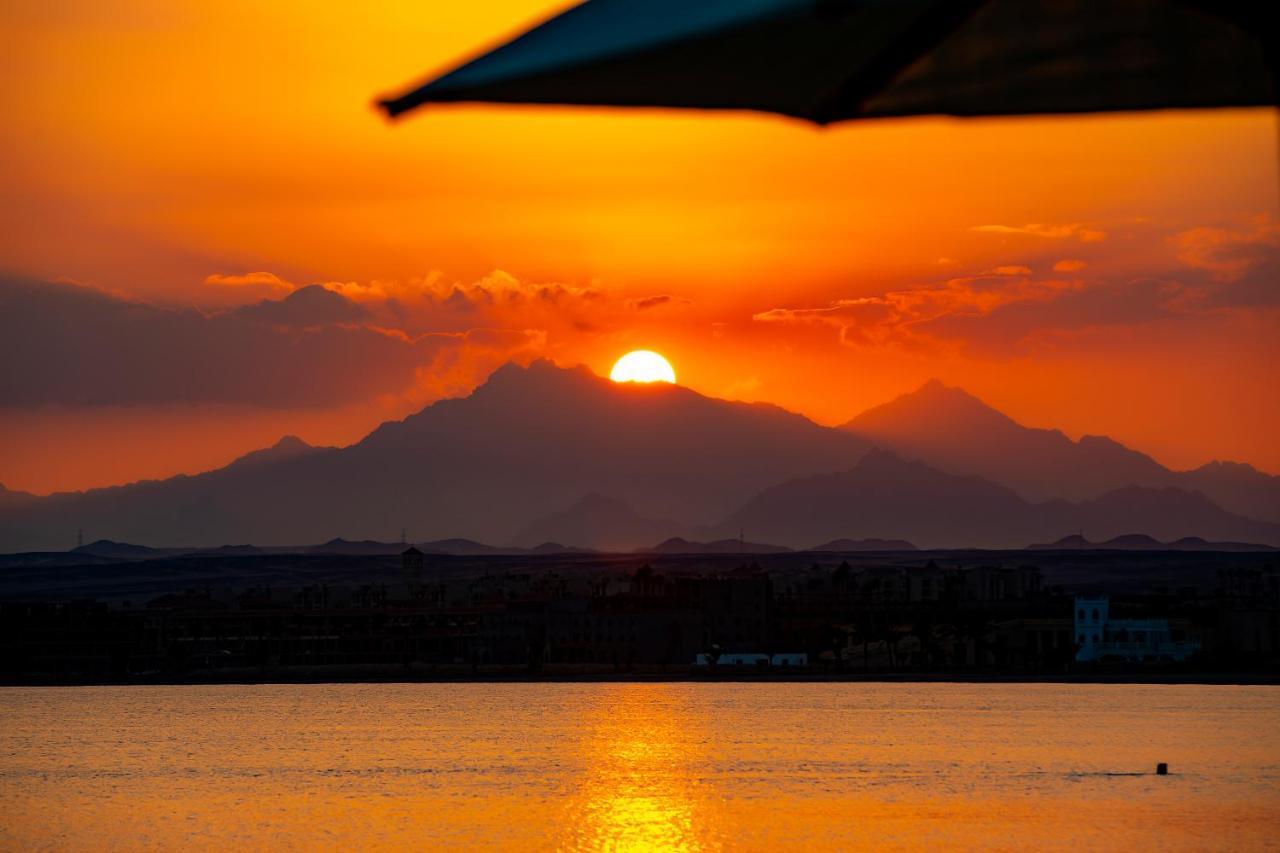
x: 642, y: 365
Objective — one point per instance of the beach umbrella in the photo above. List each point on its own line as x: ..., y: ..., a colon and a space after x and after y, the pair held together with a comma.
x: 831, y: 60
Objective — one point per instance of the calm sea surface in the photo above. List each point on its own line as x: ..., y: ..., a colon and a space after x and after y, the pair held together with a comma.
x: 640, y: 766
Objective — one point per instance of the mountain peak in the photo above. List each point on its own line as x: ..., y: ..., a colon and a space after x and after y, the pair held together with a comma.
x: 680, y: 545
x: 1240, y: 472
x: 11, y: 498
x: 109, y: 548
x: 931, y: 406
x: 288, y: 447
x: 954, y: 431
x: 540, y: 377
x: 1133, y: 541
x: 290, y: 442
x: 515, y: 382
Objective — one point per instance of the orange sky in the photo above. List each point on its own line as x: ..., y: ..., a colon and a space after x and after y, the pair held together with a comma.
x: 1097, y: 274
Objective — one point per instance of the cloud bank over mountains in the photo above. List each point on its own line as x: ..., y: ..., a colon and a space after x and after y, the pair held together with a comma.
x: 314, y: 347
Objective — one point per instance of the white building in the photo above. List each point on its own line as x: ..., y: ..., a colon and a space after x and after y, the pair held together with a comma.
x: 754, y: 659
x: 1099, y: 637
x: 789, y: 659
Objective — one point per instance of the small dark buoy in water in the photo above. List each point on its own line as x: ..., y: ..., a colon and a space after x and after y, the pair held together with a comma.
x: 1162, y: 769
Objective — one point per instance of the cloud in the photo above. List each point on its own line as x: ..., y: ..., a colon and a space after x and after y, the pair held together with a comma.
x: 498, y: 288
x: 1212, y: 271
x: 1229, y: 253
x: 499, y: 299
x: 434, y: 303
x: 458, y: 368
x: 861, y: 322
x: 1081, y: 232
x: 77, y: 345
x: 1012, y: 326
x: 644, y: 303
x: 1001, y: 312
x: 302, y: 346
x: 249, y: 279
x: 839, y: 312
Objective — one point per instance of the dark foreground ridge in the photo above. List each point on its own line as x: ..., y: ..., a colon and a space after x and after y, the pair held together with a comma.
x: 433, y: 674
x: 229, y: 616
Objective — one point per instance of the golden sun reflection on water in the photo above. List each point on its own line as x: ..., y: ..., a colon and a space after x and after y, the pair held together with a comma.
x: 680, y: 766
x: 640, y: 789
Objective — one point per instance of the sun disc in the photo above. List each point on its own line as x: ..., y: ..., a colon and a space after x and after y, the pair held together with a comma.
x: 642, y: 365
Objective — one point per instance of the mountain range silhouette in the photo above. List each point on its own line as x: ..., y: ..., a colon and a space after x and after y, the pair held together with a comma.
x: 543, y: 454
x: 956, y: 432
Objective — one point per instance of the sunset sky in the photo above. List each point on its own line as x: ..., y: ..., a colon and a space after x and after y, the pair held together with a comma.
x: 166, y: 170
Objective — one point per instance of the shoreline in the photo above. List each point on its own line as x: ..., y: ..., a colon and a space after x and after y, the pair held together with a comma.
x: 372, y: 676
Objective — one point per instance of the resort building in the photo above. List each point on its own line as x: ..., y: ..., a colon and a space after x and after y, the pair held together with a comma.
x: 1101, y: 638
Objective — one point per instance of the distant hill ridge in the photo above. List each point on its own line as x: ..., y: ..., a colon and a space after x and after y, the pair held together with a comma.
x: 956, y: 432
x: 288, y: 447
x: 477, y: 467
x: 680, y: 545
x: 124, y: 551
x: 11, y: 498
x: 630, y: 464
x: 887, y: 496
x: 855, y: 545
x: 1143, y: 542
x: 117, y: 550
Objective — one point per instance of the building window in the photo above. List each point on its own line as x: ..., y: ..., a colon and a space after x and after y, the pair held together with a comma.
x: 1095, y: 615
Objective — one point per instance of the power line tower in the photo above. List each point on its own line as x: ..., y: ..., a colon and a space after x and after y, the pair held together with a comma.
x: 80, y: 538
